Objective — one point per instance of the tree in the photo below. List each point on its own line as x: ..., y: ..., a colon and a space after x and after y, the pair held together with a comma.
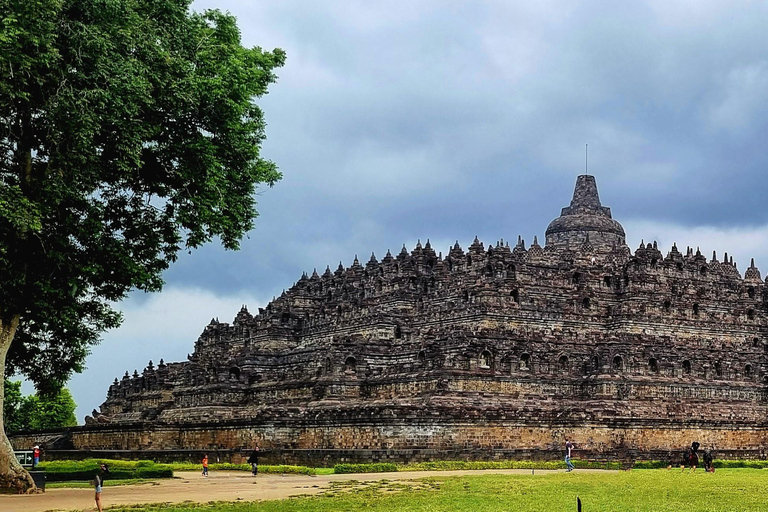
x: 11, y: 406
x: 128, y: 132
x: 37, y: 412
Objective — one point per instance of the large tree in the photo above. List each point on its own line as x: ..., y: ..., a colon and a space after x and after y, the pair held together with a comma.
x: 128, y: 132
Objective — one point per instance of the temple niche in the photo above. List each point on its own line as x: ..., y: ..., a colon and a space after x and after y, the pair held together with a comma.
x: 497, y: 348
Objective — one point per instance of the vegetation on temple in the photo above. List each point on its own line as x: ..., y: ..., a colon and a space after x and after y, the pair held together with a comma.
x: 128, y: 133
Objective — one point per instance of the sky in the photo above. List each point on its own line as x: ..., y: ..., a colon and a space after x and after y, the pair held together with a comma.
x: 443, y: 120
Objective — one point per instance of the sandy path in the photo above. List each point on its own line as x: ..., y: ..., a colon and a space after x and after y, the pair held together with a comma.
x: 219, y: 486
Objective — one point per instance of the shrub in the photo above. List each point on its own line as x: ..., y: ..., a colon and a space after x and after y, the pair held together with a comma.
x: 650, y: 464
x: 374, y: 467
x: 451, y: 465
x: 754, y: 464
x: 66, y: 470
x: 227, y: 466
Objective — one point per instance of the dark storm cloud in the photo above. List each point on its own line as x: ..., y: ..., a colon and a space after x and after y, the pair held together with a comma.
x: 447, y: 120
x: 394, y: 121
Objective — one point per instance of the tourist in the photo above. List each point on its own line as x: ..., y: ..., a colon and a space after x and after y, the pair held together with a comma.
x: 708, y: 456
x: 36, y: 456
x: 98, y: 482
x: 253, y: 460
x: 568, y: 450
x: 205, y: 465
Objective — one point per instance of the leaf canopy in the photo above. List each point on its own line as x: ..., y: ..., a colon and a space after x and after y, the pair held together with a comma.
x: 128, y: 132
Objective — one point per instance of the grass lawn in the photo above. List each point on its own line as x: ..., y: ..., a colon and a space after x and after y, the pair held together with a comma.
x: 726, y: 490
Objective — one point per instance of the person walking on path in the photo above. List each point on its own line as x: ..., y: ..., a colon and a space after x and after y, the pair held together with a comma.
x: 98, y: 482
x: 205, y: 465
x: 36, y: 455
x: 568, y: 450
x: 253, y: 460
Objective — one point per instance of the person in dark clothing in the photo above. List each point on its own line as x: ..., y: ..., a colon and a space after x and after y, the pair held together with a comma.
x: 253, y: 460
x: 98, y: 482
x: 568, y: 451
x: 708, y: 456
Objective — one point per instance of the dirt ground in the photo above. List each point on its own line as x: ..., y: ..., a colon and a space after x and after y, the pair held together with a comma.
x: 219, y: 486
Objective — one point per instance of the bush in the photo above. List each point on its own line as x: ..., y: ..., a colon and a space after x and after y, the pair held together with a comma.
x: 375, y: 467
x: 226, y: 466
x: 650, y: 464
x: 753, y: 464
x: 67, y: 470
x: 293, y: 470
x: 451, y: 465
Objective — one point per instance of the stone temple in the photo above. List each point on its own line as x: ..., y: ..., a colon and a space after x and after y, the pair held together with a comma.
x: 493, y: 351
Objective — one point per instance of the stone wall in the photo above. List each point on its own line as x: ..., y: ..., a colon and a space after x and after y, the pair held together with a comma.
x: 328, y: 444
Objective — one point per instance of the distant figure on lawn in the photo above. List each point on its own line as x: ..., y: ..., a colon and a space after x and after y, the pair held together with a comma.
x: 691, y: 457
x: 708, y: 456
x: 568, y: 451
x: 253, y: 460
x: 98, y: 482
x: 205, y: 465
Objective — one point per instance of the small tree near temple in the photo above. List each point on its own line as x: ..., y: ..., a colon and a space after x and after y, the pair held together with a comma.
x: 128, y: 132
x: 37, y: 412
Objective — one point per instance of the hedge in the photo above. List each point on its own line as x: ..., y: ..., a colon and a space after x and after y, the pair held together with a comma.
x: 374, y: 467
x: 66, y: 470
x: 226, y: 466
x: 449, y: 465
x: 453, y: 465
x: 718, y: 463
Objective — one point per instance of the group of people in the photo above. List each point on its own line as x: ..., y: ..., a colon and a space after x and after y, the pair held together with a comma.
x: 691, y: 458
x: 253, y: 460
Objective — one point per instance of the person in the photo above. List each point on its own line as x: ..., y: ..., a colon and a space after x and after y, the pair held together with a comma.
x: 568, y: 450
x: 253, y: 460
x: 205, y: 465
x: 98, y: 482
x: 708, y: 456
x: 36, y: 456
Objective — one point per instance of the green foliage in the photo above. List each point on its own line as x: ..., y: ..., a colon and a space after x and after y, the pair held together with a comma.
x: 88, y: 484
x: 128, y: 132
x: 752, y: 464
x: 373, y: 467
x: 717, y: 463
x: 225, y: 466
x: 50, y: 411
x: 38, y: 411
x: 12, y: 419
x: 455, y: 465
x: 66, y: 470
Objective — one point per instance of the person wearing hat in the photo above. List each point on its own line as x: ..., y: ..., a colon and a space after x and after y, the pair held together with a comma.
x: 36, y: 456
x: 98, y: 482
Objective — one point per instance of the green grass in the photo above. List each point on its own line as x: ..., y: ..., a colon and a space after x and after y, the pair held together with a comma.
x: 627, y: 491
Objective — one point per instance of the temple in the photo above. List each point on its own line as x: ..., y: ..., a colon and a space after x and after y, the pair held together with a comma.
x: 493, y: 351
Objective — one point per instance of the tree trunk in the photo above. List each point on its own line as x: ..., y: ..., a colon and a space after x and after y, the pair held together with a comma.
x: 12, y: 475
